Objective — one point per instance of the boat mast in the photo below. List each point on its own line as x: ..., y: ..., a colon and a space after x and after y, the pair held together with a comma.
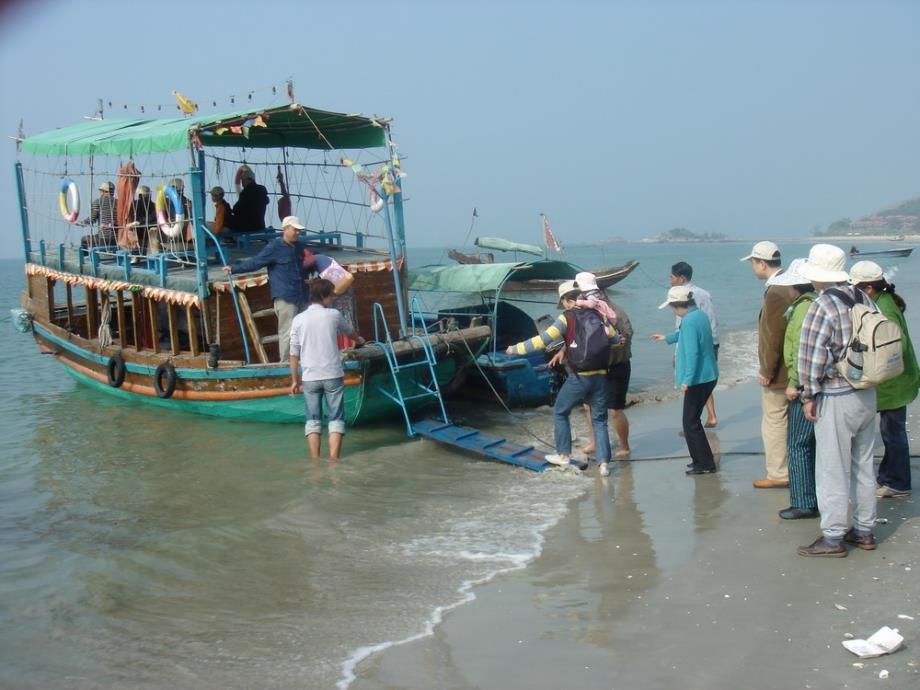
x: 396, y: 237
x: 23, y: 214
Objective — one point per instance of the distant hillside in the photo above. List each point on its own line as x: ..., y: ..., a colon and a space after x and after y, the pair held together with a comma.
x: 896, y: 220
x: 678, y: 235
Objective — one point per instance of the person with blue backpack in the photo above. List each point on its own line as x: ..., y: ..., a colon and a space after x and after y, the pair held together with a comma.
x: 695, y: 372
x: 588, y: 337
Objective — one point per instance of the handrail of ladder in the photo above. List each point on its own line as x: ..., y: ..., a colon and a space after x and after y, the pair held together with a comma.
x: 418, y: 324
x: 233, y: 295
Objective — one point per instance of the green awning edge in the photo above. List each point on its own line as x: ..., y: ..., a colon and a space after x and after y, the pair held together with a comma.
x: 292, y: 126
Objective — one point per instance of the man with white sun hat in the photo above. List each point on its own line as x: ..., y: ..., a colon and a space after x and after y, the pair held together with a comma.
x: 844, y: 417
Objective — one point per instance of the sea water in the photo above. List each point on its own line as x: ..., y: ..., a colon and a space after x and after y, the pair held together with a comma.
x: 145, y: 548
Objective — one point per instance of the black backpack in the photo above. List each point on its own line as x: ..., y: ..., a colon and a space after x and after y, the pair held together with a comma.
x: 587, y: 345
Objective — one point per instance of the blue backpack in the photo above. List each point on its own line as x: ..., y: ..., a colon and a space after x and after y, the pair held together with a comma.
x: 587, y: 345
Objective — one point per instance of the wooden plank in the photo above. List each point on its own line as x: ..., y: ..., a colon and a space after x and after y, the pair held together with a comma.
x: 70, y: 318
x: 255, y: 338
x: 192, y: 330
x: 173, y: 328
x: 92, y: 313
x: 120, y: 313
x: 154, y: 323
x: 137, y: 320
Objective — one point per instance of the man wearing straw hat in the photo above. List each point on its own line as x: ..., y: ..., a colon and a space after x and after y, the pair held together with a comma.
x: 844, y: 417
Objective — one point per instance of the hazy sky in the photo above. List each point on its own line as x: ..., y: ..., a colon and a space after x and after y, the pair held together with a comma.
x: 614, y: 118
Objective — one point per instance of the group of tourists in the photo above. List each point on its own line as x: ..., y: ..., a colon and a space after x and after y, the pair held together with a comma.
x: 833, y: 351
x: 136, y: 225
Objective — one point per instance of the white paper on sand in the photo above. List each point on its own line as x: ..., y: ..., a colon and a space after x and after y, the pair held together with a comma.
x: 884, y: 641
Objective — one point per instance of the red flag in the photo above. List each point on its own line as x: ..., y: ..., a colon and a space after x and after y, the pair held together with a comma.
x: 549, y: 239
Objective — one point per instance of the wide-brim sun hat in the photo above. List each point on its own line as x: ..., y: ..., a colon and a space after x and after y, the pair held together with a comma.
x: 791, y: 276
x: 567, y: 288
x: 678, y: 293
x: 765, y: 251
x: 865, y: 272
x: 586, y: 282
x: 293, y: 221
x: 826, y: 263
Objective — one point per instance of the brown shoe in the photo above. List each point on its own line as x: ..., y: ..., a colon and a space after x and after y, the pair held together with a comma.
x: 823, y: 549
x: 862, y: 540
x: 770, y: 483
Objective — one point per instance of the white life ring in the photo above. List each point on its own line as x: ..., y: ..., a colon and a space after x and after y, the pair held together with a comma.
x: 69, y: 200
x: 171, y: 230
x: 376, y: 201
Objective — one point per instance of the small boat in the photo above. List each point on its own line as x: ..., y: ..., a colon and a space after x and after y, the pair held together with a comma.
x: 899, y: 252
x: 605, y: 278
x: 474, y: 258
x: 164, y: 325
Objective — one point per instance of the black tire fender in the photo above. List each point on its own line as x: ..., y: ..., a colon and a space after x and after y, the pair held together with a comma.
x: 164, y: 380
x: 115, y: 370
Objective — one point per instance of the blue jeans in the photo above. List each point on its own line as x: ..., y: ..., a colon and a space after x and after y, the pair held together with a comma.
x: 895, y: 468
x: 593, y: 390
x: 333, y: 390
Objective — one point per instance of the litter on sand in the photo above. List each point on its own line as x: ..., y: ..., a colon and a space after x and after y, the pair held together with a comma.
x: 885, y: 641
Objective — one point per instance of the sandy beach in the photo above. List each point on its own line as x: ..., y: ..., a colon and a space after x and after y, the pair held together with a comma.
x: 657, y: 580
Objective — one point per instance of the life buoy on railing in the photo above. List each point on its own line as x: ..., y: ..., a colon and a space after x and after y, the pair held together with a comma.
x: 238, y: 178
x: 69, y: 200
x: 174, y: 229
x: 164, y: 380
x: 116, y: 370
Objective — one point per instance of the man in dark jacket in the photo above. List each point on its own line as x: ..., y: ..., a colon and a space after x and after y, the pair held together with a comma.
x: 249, y: 210
x: 145, y: 215
x: 284, y: 258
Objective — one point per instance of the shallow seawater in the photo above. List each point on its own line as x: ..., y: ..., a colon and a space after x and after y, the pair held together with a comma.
x: 146, y: 548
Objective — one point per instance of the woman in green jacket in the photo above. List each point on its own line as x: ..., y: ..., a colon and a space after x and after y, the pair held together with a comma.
x: 800, y: 435
x: 895, y: 395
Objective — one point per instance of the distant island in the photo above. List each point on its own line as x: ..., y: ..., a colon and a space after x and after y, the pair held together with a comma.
x: 682, y: 235
x: 903, y: 219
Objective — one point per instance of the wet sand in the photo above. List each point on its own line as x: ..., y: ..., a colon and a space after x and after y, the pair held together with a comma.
x: 659, y: 580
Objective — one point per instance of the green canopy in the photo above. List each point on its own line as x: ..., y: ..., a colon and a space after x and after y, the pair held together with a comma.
x: 507, y: 246
x: 292, y: 126
x: 486, y: 277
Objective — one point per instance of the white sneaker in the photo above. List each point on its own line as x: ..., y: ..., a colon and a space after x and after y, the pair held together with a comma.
x: 604, y: 469
x: 888, y: 492
x: 558, y: 459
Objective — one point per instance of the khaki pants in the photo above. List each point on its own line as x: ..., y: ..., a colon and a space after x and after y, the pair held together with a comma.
x: 773, y: 425
x: 285, y: 311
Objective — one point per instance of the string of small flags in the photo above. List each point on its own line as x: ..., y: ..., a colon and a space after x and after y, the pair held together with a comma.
x: 184, y: 105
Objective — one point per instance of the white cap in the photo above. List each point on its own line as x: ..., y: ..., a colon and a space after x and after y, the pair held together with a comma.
x: 107, y: 187
x: 791, y: 276
x: 293, y: 221
x: 678, y: 293
x: 586, y: 282
x: 866, y: 272
x: 765, y: 251
x: 566, y: 288
x: 826, y: 264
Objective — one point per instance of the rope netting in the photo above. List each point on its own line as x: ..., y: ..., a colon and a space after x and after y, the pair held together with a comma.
x: 327, y: 195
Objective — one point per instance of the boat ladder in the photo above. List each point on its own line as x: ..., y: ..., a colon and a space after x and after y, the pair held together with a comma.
x: 442, y: 430
x: 418, y: 334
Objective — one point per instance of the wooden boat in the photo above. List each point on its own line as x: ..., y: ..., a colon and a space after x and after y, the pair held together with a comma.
x: 605, y: 278
x: 898, y: 252
x: 167, y: 327
x: 474, y: 258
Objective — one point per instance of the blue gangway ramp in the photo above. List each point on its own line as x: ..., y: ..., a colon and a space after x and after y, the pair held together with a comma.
x: 494, y: 448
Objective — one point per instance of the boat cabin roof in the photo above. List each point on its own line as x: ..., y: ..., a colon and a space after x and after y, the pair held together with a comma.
x: 293, y: 126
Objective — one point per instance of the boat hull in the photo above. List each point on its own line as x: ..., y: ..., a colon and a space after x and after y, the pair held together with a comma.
x: 245, y: 392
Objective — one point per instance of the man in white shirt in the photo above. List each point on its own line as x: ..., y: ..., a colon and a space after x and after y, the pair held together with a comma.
x: 315, y: 348
x: 682, y: 274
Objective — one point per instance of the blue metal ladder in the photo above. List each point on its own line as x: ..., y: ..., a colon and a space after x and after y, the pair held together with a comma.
x: 432, y: 390
x: 442, y: 430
